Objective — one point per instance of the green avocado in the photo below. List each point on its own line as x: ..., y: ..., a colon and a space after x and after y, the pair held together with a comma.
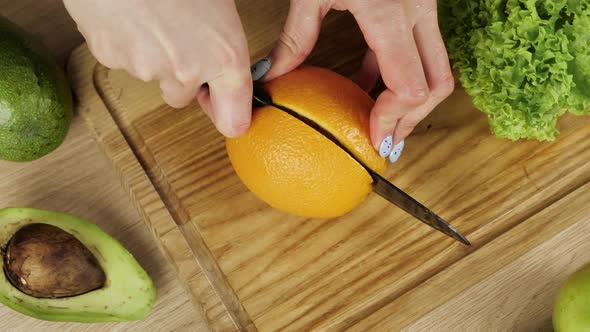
x: 128, y: 292
x: 35, y: 97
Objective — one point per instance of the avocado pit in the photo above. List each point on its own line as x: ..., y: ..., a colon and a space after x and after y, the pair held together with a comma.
x: 44, y: 261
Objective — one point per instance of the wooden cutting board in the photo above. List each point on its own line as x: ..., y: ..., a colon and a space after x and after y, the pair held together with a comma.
x: 250, y: 267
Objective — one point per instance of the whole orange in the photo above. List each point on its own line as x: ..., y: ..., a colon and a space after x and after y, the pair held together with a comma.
x: 294, y: 167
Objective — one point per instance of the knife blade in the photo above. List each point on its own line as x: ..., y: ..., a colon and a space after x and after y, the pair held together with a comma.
x: 393, y: 194
x: 381, y: 186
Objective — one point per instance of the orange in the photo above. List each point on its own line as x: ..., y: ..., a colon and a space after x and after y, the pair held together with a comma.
x: 294, y: 167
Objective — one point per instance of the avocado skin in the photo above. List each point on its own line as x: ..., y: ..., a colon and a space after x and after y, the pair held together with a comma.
x: 36, y: 102
x: 128, y: 294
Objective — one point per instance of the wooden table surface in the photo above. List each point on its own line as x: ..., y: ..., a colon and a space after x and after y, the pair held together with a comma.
x: 77, y: 179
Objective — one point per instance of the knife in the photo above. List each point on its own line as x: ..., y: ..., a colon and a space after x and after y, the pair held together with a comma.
x: 390, y: 192
x: 381, y: 186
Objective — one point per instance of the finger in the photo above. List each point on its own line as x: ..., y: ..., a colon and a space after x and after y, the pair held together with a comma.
x: 176, y: 94
x: 106, y: 51
x: 229, y: 102
x: 369, y: 72
x: 383, y: 119
x: 388, y: 33
x: 431, y: 47
x: 436, y: 66
x: 433, y: 53
x: 408, y: 122
x: 298, y: 38
x: 148, y: 59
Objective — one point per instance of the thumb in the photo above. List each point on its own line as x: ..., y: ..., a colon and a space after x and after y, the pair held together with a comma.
x: 298, y: 38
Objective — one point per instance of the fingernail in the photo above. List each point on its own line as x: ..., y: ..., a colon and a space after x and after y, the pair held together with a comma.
x: 386, y: 145
x: 260, y: 68
x: 396, y: 152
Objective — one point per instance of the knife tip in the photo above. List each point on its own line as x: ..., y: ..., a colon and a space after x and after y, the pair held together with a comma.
x: 458, y: 236
x: 463, y: 239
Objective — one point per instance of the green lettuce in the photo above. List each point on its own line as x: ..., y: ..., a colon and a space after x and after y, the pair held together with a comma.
x: 524, y: 62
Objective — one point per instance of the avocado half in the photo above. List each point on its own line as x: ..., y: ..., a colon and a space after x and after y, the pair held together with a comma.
x: 128, y: 292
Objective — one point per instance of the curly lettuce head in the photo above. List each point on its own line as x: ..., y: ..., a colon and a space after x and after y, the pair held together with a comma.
x: 524, y: 62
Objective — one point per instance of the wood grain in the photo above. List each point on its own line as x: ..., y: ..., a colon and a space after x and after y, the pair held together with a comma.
x: 507, y: 285
x: 269, y: 271
x: 520, y: 296
x: 78, y: 179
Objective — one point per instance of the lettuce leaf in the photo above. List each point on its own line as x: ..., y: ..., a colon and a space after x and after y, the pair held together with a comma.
x: 524, y: 62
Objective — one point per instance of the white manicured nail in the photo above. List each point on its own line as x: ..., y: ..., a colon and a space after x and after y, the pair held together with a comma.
x: 260, y: 68
x: 396, y: 152
x: 386, y: 145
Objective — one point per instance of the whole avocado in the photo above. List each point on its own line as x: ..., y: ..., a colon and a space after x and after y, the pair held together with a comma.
x: 35, y: 97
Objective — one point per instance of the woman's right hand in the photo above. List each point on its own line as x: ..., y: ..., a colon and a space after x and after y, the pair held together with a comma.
x: 194, y: 48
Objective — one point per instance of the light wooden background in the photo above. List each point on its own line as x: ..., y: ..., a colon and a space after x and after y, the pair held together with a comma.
x: 77, y: 179
x: 518, y: 297
x: 521, y: 205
